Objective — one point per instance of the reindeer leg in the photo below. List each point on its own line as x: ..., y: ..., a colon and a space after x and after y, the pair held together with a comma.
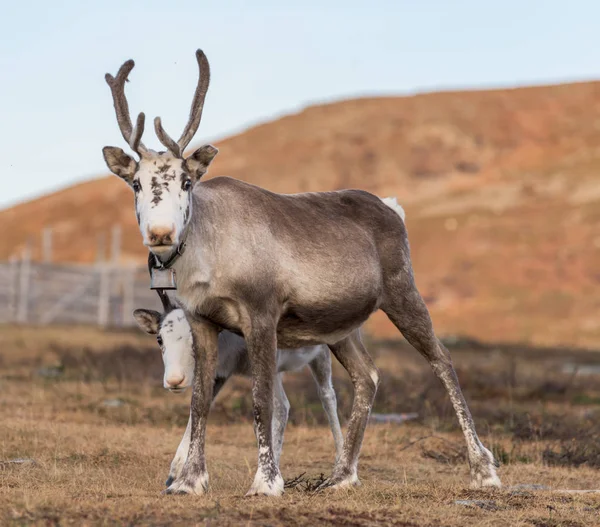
x: 184, y: 445
x: 180, y: 455
x: 261, y: 342
x: 410, y: 315
x: 194, y: 476
x: 354, y: 357
x: 320, y: 368
x: 281, y: 409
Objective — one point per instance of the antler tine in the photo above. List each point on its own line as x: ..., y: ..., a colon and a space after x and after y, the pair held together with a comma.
x: 117, y: 88
x: 165, y: 138
x: 198, y: 102
x: 136, y: 135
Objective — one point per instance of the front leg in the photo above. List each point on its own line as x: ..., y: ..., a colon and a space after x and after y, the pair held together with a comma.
x: 184, y: 445
x: 194, y: 476
x: 261, y: 342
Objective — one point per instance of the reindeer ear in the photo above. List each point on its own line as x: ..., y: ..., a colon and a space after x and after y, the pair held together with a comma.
x: 119, y: 162
x: 199, y: 161
x: 148, y: 320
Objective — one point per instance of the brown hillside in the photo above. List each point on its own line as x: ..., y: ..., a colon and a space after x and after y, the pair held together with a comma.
x: 500, y: 187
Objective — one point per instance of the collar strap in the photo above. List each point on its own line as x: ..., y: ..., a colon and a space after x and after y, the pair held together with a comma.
x: 155, y: 263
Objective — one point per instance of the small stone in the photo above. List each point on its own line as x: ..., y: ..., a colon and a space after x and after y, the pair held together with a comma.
x: 19, y: 461
x: 393, y: 418
x: 487, y: 505
x: 113, y: 403
x: 50, y: 372
x: 528, y: 486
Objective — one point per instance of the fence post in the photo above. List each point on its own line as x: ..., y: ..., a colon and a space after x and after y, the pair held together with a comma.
x: 47, y: 245
x: 24, y: 284
x: 100, y: 249
x: 13, y: 289
x: 104, y: 295
x: 128, y: 295
x: 115, y: 249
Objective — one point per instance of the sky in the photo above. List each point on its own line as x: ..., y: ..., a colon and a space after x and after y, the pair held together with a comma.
x: 268, y: 58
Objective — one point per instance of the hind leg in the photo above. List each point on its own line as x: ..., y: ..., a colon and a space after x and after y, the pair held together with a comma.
x: 321, y: 371
x: 409, y: 314
x: 354, y: 357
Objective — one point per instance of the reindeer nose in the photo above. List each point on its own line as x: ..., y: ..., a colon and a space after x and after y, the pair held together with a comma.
x: 161, y: 235
x: 175, y: 380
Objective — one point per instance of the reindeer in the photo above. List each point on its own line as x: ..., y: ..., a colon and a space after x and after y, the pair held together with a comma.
x: 282, y: 271
x: 174, y: 337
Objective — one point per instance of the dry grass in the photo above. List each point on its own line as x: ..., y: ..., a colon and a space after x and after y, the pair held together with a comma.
x: 99, y: 464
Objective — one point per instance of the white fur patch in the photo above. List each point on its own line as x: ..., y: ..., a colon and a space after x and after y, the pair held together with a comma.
x: 178, y: 356
x: 375, y: 377
x: 261, y: 487
x: 393, y: 204
x: 161, y: 203
x: 198, y: 487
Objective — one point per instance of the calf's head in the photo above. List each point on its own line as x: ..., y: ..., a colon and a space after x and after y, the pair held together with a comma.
x: 174, y: 337
x: 162, y: 182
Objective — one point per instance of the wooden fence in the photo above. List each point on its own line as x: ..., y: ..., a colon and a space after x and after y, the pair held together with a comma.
x: 50, y: 293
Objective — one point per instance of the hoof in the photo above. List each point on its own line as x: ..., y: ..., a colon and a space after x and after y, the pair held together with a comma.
x: 492, y: 481
x: 483, y: 472
x: 182, y: 486
x: 169, y: 481
x: 263, y: 486
x: 339, y: 482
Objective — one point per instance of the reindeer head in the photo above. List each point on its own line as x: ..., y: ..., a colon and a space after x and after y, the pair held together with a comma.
x: 162, y: 182
x: 174, y: 337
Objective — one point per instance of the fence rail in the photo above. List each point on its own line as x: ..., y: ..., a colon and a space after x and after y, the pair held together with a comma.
x: 51, y: 293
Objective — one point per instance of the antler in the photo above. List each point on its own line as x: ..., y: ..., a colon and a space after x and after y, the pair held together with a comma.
x: 132, y: 135
x: 195, y: 112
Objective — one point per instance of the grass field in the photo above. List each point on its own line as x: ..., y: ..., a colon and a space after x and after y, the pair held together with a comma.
x: 87, y: 413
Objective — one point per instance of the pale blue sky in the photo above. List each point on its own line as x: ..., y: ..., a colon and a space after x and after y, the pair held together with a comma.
x: 268, y: 58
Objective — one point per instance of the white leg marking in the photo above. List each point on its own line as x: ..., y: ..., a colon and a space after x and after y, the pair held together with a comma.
x: 262, y: 487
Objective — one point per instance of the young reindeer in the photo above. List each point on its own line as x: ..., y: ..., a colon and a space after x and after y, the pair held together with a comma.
x: 283, y: 271
x: 175, y: 340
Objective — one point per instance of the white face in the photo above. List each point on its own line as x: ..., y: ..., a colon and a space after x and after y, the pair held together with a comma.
x: 175, y: 339
x: 162, y: 188
x: 162, y: 184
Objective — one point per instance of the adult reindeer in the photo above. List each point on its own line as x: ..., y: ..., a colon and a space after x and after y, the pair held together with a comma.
x: 281, y: 270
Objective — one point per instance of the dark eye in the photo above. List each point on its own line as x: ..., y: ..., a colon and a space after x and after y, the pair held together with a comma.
x: 136, y: 186
x: 159, y: 340
x: 187, y: 185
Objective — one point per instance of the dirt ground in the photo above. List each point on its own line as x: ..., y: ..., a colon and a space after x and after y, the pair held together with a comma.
x: 95, y: 432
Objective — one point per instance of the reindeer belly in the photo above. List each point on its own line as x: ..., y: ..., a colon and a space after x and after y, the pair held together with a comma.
x: 294, y: 359
x: 313, y: 325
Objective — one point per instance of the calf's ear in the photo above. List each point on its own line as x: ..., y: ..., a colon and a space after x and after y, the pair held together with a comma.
x: 148, y: 320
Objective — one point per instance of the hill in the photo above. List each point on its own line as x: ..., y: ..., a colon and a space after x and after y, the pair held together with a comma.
x: 500, y: 189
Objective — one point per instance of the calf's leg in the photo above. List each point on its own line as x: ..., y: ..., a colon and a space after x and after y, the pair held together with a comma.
x: 320, y: 368
x: 281, y: 410
x: 364, y: 376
